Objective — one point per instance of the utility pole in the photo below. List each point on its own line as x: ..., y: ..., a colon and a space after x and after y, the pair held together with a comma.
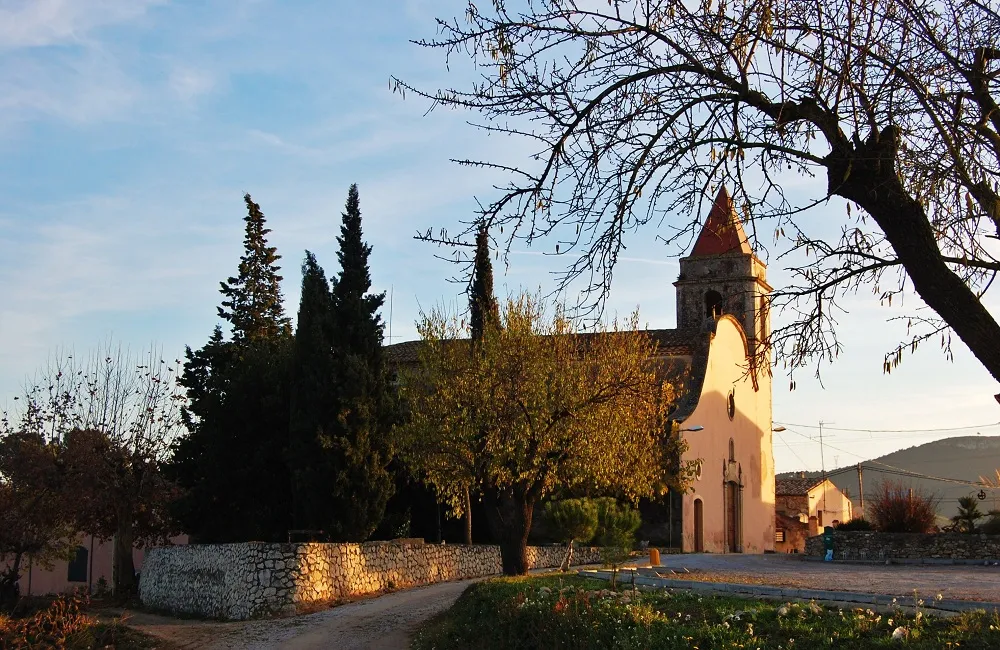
x: 822, y: 463
x: 861, y: 491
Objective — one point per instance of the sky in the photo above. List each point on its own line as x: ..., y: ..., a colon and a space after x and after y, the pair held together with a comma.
x: 130, y: 129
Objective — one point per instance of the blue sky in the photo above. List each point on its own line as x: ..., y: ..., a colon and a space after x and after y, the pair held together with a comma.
x: 130, y: 129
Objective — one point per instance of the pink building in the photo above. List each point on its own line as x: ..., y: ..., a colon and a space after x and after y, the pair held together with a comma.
x: 92, y: 561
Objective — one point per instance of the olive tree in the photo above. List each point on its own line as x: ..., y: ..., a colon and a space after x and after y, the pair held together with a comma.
x: 541, y: 407
x: 637, y: 108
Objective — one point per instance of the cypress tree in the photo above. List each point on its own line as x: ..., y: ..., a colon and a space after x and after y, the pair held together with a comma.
x: 312, y: 424
x: 483, y: 309
x: 484, y: 314
x: 364, y: 403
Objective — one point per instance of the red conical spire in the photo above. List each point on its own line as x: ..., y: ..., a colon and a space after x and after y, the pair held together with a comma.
x: 723, y: 232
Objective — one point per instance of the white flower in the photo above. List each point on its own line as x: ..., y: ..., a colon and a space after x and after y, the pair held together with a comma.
x: 939, y: 597
x: 783, y: 610
x: 900, y: 633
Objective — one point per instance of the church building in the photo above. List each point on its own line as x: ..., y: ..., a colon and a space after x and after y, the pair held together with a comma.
x: 725, y: 412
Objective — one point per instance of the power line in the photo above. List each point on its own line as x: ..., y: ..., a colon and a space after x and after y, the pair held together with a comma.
x: 824, y: 426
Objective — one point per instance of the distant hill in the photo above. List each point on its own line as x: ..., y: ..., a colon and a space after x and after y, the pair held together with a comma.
x: 966, y: 458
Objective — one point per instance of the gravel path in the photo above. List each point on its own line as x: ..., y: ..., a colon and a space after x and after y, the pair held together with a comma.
x: 961, y: 582
x: 382, y: 623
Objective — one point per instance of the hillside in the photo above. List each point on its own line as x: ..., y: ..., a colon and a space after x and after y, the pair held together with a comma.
x: 965, y: 458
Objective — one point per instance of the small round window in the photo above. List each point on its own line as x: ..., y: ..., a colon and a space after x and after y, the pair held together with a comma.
x: 731, y: 404
x: 697, y: 474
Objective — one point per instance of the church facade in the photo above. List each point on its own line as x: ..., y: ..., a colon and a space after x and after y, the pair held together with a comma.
x: 725, y: 412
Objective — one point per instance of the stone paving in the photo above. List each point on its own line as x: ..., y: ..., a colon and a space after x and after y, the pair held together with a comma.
x: 958, y: 582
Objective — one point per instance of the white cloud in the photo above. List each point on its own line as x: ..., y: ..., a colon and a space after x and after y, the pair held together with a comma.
x: 187, y: 84
x: 38, y: 23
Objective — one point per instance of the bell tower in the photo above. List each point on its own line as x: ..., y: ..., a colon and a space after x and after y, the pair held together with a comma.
x: 723, y: 276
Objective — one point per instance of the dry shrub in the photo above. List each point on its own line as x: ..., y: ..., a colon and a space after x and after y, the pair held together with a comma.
x: 61, y: 625
x: 898, y: 508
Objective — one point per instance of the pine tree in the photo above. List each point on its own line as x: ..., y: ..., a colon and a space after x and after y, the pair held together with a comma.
x: 253, y: 303
x: 312, y: 424
x: 364, y: 402
x: 232, y: 463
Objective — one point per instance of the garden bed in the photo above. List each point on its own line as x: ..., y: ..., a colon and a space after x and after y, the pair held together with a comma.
x: 573, y: 612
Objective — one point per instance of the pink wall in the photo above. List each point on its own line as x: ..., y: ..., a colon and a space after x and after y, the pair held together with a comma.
x: 750, y: 430
x: 36, y: 580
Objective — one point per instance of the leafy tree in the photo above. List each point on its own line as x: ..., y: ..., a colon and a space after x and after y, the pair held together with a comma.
x: 537, y: 410
x: 968, y: 514
x: 897, y: 508
x: 35, y: 521
x: 113, y: 416
x: 636, y: 109
x: 253, y: 303
x: 232, y: 463
x: 313, y: 423
x: 365, y: 409
x: 572, y: 520
x: 858, y: 523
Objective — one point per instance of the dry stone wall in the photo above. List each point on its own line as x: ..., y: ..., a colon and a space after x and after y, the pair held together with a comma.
x: 871, y: 545
x: 241, y: 581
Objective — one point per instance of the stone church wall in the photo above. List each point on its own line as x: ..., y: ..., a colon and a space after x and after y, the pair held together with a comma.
x: 241, y: 581
x: 865, y: 545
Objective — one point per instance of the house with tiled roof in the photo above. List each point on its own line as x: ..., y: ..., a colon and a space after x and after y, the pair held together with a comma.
x: 804, y: 505
x: 724, y: 412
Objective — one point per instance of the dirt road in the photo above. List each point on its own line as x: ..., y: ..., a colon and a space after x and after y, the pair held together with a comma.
x: 383, y: 623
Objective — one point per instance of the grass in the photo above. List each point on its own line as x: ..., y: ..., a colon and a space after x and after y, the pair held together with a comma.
x: 572, y: 612
x: 63, y: 623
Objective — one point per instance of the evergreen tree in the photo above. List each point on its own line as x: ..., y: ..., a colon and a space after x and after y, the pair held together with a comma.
x: 484, y: 314
x: 483, y: 308
x: 253, y: 302
x: 365, y: 410
x: 232, y: 463
x: 312, y: 424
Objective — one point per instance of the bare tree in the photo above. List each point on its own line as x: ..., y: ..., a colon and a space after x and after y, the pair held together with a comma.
x: 639, y: 107
x: 113, y: 416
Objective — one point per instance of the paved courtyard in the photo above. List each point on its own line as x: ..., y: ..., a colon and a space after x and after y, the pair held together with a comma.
x: 962, y: 582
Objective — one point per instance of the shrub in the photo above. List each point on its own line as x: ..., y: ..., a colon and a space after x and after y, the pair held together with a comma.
x: 992, y: 525
x: 62, y: 624
x: 616, y: 526
x: 897, y: 508
x: 858, y: 523
x: 968, y: 514
x: 572, y: 520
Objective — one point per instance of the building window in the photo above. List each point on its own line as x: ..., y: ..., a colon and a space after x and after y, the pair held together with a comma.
x: 77, y: 570
x: 713, y: 304
x: 731, y: 404
x: 697, y: 474
x: 779, y: 536
x: 732, y: 451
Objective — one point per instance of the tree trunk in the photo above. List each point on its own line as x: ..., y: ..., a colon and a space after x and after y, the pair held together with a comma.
x: 866, y: 174
x: 10, y: 591
x: 569, y: 556
x: 509, y: 517
x: 468, y: 517
x: 123, y: 570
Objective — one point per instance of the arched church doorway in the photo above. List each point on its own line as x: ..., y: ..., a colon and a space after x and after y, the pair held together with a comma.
x: 699, y: 526
x: 733, y: 518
